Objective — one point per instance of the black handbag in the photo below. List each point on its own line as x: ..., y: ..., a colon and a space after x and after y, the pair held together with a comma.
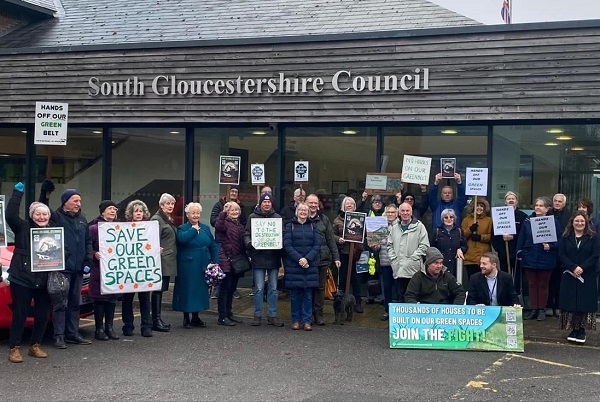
x: 240, y: 264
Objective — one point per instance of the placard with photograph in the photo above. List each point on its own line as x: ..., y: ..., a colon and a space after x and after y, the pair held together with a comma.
x: 448, y: 167
x: 257, y: 171
x: 47, y: 249
x: 354, y: 227
x: 229, y: 169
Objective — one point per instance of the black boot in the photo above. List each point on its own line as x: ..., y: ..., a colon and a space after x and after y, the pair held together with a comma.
x: 196, y: 321
x: 99, y: 308
x: 109, y: 317
x: 186, y: 321
x: 157, y: 322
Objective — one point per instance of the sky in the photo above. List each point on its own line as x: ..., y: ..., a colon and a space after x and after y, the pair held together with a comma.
x: 488, y: 11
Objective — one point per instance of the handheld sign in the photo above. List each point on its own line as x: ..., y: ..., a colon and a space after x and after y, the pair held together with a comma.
x: 377, y: 229
x: 301, y: 172
x: 129, y: 257
x: 257, y: 171
x: 476, y: 181
x: 415, y: 169
x: 2, y: 226
x: 383, y: 183
x: 47, y: 249
x: 354, y: 227
x: 51, y: 123
x: 266, y: 233
x: 543, y: 229
x: 504, y: 220
x: 229, y: 169
x: 458, y: 327
x: 448, y: 167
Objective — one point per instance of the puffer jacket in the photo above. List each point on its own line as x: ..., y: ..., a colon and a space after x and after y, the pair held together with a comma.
x: 444, y: 289
x: 261, y: 259
x: 406, y: 249
x: 533, y: 255
x: 448, y: 242
x: 301, y: 240
x: 20, y: 265
x: 475, y: 249
x: 78, y: 242
x: 230, y: 234
x: 329, y: 250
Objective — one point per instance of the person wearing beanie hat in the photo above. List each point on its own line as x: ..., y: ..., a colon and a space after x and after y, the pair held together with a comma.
x: 26, y: 286
x: 105, y: 204
x: 434, y: 284
x: 65, y: 314
x: 264, y: 262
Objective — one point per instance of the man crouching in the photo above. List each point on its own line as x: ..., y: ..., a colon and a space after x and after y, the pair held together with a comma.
x: 434, y: 284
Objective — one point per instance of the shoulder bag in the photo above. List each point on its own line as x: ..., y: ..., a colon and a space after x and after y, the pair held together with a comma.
x: 240, y: 264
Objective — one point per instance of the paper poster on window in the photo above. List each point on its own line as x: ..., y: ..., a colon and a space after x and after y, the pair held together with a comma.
x: 476, y: 181
x: 51, y: 123
x: 3, y: 231
x: 229, y: 169
x: 257, y: 171
x: 503, y: 219
x: 354, y: 227
x: 266, y: 233
x: 47, y: 249
x: 543, y: 229
x: 301, y: 171
x: 415, y: 169
x: 129, y: 257
x: 455, y: 327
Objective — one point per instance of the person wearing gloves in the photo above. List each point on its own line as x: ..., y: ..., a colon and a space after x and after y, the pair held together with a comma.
x: 25, y: 285
x: 434, y: 284
x: 104, y: 305
x: 479, y: 236
x: 78, y: 261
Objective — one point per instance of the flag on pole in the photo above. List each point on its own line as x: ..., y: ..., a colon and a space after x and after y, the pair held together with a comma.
x: 506, y: 11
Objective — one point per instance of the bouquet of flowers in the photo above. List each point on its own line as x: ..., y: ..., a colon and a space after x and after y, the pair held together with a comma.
x: 213, y: 275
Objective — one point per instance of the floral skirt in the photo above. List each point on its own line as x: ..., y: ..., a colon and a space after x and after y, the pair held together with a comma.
x: 571, y: 320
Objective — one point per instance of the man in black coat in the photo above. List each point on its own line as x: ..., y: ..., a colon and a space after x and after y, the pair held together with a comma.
x: 492, y: 287
x: 562, y: 215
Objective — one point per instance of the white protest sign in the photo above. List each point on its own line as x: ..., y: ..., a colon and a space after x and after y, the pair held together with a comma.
x: 543, y: 229
x: 301, y: 171
x: 376, y: 182
x: 266, y: 233
x: 476, y: 181
x: 415, y: 169
x: 504, y: 220
x: 257, y: 171
x: 51, y: 123
x: 129, y: 257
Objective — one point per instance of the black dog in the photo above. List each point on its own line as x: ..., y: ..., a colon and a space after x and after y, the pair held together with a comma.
x: 343, y: 306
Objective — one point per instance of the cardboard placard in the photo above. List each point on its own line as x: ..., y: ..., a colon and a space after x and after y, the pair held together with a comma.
x: 301, y: 172
x: 266, y: 233
x: 503, y: 219
x: 543, y: 229
x: 229, y: 169
x: 416, y: 169
x: 354, y: 227
x: 377, y: 229
x: 257, y: 171
x: 51, y: 123
x: 47, y: 249
x: 476, y: 181
x: 383, y: 183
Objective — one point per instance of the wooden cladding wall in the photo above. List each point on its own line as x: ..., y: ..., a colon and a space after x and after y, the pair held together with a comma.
x: 472, y: 77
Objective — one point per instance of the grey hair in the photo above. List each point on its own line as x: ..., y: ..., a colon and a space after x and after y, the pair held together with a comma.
x: 546, y: 200
x: 133, y: 206
x: 513, y: 194
x: 164, y: 198
x: 447, y: 212
x: 560, y: 195
x: 392, y: 205
x: 192, y: 205
x: 232, y: 205
x: 301, y: 205
x: 348, y: 199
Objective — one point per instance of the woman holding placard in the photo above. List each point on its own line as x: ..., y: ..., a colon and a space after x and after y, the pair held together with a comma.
x: 579, y: 250
x: 25, y: 285
x: 479, y: 236
x: 538, y: 260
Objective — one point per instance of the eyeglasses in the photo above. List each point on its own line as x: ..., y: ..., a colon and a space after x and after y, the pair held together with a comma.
x: 448, y: 217
x: 409, y: 199
x: 390, y: 212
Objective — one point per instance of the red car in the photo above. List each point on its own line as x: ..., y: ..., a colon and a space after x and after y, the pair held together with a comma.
x: 86, y: 308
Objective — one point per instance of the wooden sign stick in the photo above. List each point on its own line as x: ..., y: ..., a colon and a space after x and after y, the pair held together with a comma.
x: 257, y: 193
x: 475, y: 210
x: 507, y: 257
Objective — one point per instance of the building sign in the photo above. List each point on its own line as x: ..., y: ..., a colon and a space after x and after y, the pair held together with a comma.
x: 445, y: 326
x: 342, y: 81
x: 51, y: 123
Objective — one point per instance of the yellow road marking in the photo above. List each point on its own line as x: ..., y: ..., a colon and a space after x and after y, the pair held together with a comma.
x: 89, y: 322
x: 478, y: 382
x: 551, y: 363
x: 544, y: 377
x: 571, y: 345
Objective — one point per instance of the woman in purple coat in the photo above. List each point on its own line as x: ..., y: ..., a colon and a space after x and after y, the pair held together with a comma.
x: 104, y: 305
x: 229, y: 233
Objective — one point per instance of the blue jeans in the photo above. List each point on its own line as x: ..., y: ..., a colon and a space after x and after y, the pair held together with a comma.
x: 272, y: 296
x: 65, y: 315
x: 302, y: 305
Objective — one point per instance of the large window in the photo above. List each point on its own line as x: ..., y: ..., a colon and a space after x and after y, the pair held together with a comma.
x: 147, y: 162
x: 12, y: 161
x: 339, y: 160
